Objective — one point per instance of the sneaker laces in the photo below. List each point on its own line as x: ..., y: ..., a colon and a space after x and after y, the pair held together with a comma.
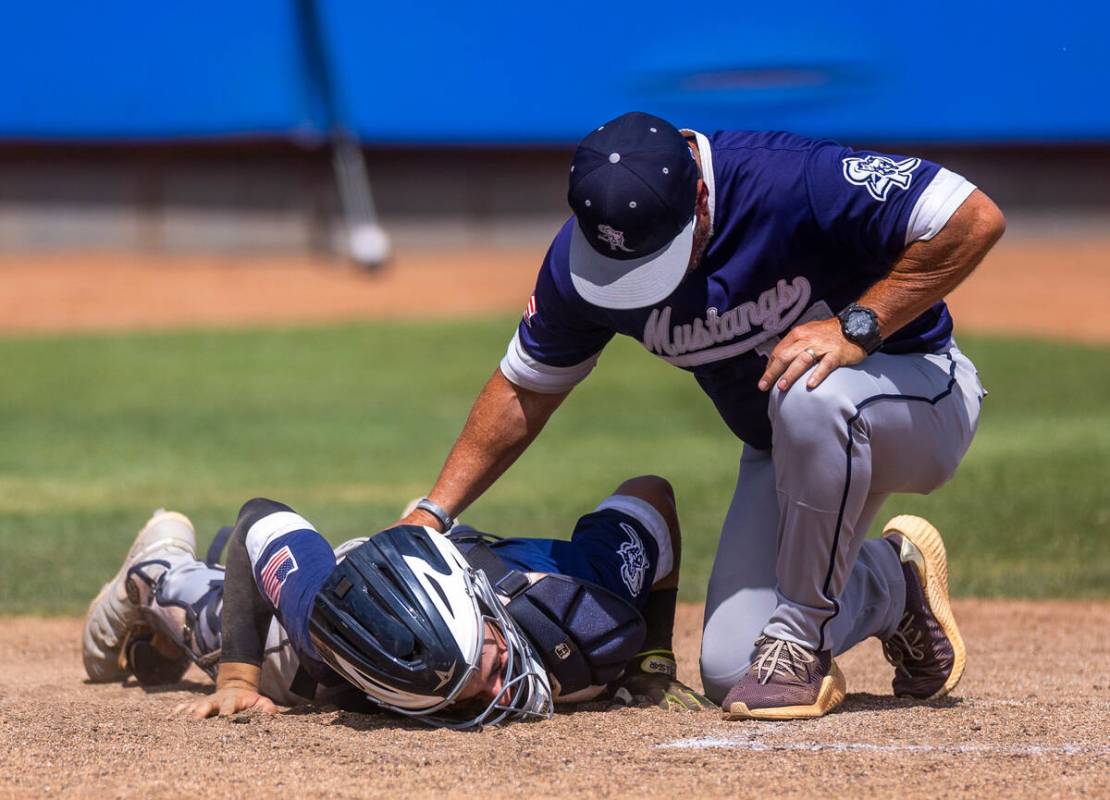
x: 780, y: 657
x: 907, y: 644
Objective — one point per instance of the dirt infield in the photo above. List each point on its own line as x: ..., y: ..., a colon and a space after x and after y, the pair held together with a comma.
x: 1031, y: 719
x: 1042, y: 287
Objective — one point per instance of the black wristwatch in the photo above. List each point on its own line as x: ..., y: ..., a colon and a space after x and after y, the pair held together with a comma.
x: 860, y: 326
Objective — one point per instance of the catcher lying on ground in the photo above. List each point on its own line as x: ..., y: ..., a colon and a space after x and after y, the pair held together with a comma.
x: 458, y: 631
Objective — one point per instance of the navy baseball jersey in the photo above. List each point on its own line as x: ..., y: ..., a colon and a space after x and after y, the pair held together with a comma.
x: 801, y: 229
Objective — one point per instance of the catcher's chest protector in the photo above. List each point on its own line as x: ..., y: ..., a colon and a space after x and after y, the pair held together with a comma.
x: 584, y: 633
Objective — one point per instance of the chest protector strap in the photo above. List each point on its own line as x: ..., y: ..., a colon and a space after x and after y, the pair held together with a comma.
x: 584, y: 633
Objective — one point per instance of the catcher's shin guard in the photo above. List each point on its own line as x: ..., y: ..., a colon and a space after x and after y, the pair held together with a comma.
x: 180, y: 611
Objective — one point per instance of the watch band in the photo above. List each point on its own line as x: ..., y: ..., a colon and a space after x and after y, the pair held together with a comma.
x: 436, y: 510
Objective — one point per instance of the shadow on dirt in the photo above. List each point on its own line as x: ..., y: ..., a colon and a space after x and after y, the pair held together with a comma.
x: 369, y: 719
x: 864, y: 701
x: 196, y: 687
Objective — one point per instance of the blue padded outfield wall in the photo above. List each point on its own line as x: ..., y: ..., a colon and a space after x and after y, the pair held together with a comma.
x: 538, y: 73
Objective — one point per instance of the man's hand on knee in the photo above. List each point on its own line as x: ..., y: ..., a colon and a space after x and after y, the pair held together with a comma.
x: 821, y: 343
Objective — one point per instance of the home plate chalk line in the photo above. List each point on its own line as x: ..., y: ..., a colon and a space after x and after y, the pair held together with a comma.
x: 748, y: 742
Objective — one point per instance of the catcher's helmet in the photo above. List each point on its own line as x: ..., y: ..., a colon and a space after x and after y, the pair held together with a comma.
x: 402, y: 617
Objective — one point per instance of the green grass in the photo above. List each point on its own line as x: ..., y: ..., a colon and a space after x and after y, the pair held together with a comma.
x: 347, y: 423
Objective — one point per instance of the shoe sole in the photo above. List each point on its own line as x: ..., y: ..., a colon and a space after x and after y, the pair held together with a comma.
x: 927, y: 539
x: 831, y: 694
x: 134, y: 551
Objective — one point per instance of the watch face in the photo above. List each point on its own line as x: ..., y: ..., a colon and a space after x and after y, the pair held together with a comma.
x: 858, y: 324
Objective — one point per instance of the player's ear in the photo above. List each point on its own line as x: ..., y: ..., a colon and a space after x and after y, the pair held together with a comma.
x: 702, y: 205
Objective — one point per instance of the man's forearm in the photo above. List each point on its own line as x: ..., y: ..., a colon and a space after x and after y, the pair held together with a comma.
x: 504, y: 420
x: 927, y: 271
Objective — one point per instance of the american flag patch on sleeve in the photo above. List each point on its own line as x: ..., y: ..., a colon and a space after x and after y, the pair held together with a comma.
x: 280, y: 566
x: 530, y: 311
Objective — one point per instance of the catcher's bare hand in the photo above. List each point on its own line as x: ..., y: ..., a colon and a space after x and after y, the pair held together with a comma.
x: 226, y: 702
x: 650, y: 679
x: 236, y: 690
x: 821, y: 343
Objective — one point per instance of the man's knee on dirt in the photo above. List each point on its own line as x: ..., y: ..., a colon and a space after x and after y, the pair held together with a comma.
x: 659, y: 494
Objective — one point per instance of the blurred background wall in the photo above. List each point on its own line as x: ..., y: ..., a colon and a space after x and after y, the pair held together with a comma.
x: 210, y: 125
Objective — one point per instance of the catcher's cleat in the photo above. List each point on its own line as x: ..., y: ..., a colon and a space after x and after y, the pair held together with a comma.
x: 786, y: 681
x: 926, y: 650
x: 112, y: 612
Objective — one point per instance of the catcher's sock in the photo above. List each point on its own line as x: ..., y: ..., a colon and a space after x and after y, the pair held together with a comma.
x: 659, y: 616
x: 183, y: 602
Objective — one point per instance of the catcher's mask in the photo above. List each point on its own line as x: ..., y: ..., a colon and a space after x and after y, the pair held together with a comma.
x: 403, y: 616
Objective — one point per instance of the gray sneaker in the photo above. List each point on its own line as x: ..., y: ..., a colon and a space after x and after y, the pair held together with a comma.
x: 926, y: 650
x: 786, y: 681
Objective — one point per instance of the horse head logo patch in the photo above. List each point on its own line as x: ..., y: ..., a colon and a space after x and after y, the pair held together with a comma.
x: 634, y: 561
x: 880, y: 173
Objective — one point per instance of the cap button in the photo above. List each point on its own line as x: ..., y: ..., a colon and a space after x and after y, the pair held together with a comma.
x: 614, y: 158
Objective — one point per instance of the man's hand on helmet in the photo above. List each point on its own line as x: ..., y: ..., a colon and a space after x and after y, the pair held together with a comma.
x: 650, y: 679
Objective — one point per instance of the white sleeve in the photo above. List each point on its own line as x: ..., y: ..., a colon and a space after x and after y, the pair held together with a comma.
x: 520, y: 368
x: 937, y: 204
x: 270, y: 527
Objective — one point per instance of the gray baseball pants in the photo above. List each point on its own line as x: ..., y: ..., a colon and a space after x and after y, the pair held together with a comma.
x: 792, y: 560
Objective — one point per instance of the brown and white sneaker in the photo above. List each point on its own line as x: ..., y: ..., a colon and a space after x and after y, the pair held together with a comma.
x: 926, y: 650
x: 786, y: 681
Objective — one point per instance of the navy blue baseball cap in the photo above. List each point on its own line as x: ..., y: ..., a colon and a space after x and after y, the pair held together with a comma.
x: 633, y: 188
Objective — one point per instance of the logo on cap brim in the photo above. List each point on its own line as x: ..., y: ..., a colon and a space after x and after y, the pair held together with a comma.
x: 630, y: 282
x: 613, y: 238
